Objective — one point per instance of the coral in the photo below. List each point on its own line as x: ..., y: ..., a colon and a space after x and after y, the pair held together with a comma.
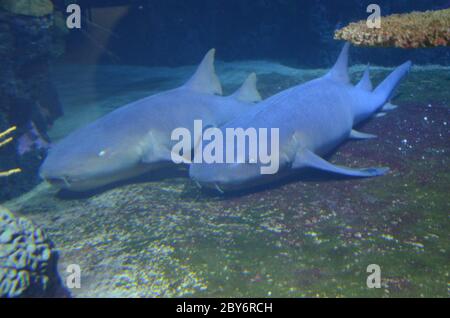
x: 35, y: 8
x: 411, y: 30
x: 3, y: 143
x: 29, y: 99
x: 27, y: 259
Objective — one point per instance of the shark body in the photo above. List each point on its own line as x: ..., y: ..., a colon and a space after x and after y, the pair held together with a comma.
x: 136, y: 138
x: 313, y: 119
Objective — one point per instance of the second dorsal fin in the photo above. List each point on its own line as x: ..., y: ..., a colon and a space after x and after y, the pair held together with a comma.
x: 205, y: 79
x: 248, y: 91
x: 365, y: 83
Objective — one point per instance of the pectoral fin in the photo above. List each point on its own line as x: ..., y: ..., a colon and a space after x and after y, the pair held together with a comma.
x: 307, y: 159
x: 154, y: 151
x: 388, y: 107
x: 360, y: 135
x: 155, y: 155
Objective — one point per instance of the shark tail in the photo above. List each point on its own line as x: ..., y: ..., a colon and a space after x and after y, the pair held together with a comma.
x: 248, y: 91
x: 386, y: 89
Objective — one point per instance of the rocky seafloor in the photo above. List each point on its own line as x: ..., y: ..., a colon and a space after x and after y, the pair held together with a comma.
x: 161, y: 236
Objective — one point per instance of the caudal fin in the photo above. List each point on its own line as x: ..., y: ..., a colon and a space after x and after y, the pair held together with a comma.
x: 386, y: 89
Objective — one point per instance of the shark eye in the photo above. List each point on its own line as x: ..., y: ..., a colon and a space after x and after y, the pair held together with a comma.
x: 102, y: 153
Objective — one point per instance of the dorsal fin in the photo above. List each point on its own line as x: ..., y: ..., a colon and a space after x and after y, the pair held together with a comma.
x: 248, y: 91
x: 205, y: 79
x: 365, y: 83
x: 339, y: 72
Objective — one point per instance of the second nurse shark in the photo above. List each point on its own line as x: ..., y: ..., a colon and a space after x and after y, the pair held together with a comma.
x: 312, y: 119
x: 136, y: 138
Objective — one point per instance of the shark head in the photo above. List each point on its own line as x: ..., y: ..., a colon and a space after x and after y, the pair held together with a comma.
x: 83, y: 166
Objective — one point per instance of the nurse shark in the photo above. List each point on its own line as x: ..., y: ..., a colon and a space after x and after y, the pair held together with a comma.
x: 312, y: 120
x: 136, y: 138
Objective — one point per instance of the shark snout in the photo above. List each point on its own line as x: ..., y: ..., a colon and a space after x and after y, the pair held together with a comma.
x: 59, y: 174
x: 71, y: 182
x: 61, y: 182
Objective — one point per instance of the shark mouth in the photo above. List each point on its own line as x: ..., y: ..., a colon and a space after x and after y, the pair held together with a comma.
x: 59, y: 182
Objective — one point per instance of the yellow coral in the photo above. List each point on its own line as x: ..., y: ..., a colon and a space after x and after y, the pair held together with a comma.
x: 3, y: 143
x: 410, y: 30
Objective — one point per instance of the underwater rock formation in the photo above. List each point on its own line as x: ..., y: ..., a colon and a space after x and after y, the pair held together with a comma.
x: 411, y: 30
x: 27, y: 260
x: 36, y: 8
x: 29, y: 99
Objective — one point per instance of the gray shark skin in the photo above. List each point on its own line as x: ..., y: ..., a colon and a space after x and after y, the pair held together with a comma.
x: 136, y: 138
x: 313, y: 119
